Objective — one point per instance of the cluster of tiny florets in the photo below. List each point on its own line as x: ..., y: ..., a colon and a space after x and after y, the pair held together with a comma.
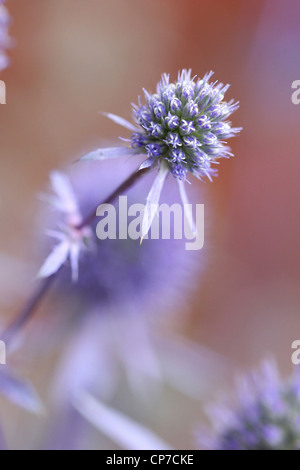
x: 268, y: 418
x: 185, y: 124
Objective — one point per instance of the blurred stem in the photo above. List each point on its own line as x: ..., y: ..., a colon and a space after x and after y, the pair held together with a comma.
x: 131, y: 180
x: 45, y: 284
x: 28, y: 309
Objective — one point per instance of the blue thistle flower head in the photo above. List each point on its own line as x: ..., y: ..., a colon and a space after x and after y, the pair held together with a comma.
x: 267, y: 417
x: 185, y: 124
x: 4, y: 37
x: 182, y: 129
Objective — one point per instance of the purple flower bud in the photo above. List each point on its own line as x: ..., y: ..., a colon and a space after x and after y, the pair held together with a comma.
x: 169, y: 93
x: 159, y: 110
x: 210, y: 139
x: 217, y: 96
x: 139, y: 140
x: 273, y: 435
x: 177, y: 155
x: 172, y: 121
x: 222, y: 128
x: 178, y: 88
x: 175, y: 105
x: 156, y: 129
x: 191, y: 109
x: 173, y: 140
x: 145, y: 114
x: 187, y: 91
x: 216, y: 111
x: 191, y: 142
x: 186, y: 127
x: 203, y: 122
x: 205, y: 92
x: 179, y: 171
x: 202, y: 156
x: 214, y: 150
x: 154, y: 150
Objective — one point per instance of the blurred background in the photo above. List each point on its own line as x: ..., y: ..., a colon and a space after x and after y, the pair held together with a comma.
x: 72, y: 59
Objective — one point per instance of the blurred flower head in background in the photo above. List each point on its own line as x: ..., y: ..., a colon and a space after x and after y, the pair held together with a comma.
x: 72, y: 240
x: 4, y: 37
x: 120, y: 273
x: 267, y: 416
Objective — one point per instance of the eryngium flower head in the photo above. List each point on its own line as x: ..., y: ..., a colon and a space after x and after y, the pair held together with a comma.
x: 267, y: 416
x: 180, y: 129
x: 186, y: 124
x: 4, y: 37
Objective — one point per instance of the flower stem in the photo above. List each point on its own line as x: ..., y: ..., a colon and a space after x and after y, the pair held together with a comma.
x: 28, y: 309
x: 131, y: 180
x: 45, y: 284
